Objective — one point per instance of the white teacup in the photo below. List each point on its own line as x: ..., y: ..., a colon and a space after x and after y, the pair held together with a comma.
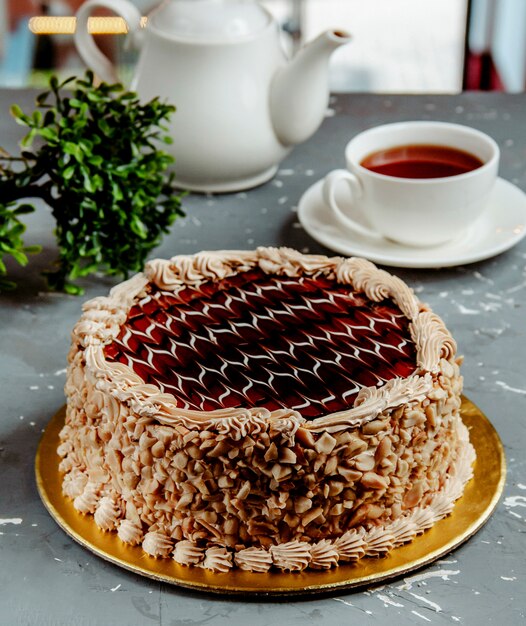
x: 413, y: 211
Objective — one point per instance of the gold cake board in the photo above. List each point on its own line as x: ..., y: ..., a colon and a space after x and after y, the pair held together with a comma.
x: 471, y: 511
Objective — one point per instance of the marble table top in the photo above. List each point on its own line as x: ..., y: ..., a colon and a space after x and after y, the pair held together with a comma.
x: 46, y: 578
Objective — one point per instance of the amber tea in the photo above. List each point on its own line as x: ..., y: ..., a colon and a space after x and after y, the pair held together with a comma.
x: 421, y: 161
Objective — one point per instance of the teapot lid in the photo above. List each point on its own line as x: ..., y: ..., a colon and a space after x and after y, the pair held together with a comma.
x: 209, y: 20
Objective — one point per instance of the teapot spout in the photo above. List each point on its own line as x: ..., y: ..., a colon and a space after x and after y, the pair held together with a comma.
x: 300, y: 91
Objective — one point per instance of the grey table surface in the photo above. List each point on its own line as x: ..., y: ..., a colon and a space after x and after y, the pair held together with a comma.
x: 46, y: 578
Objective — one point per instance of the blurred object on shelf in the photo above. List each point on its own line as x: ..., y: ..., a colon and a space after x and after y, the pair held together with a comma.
x: 294, y: 21
x: 16, y: 43
x: 16, y: 62
x: 495, y: 57
x: 479, y: 68
x: 44, y: 25
x: 28, y: 58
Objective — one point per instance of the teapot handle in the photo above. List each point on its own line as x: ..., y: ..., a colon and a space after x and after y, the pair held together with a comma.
x: 85, y: 43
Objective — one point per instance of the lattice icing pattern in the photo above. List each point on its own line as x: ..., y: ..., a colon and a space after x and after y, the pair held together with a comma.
x: 305, y: 344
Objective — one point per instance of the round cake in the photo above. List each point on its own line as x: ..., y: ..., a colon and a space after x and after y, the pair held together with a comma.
x: 263, y: 409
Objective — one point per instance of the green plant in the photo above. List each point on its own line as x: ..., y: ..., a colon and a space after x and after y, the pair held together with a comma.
x: 11, y: 242
x: 99, y: 167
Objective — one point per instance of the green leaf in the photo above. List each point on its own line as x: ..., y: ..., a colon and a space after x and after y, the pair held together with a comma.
x: 73, y: 290
x: 116, y: 192
x: 16, y: 111
x: 35, y: 249
x: 41, y: 98
x: 6, y: 285
x: 48, y: 133
x: 72, y: 148
x: 16, y: 230
x: 88, y: 184
x: 23, y: 209
x: 85, y: 145
x: 95, y: 159
x: 28, y: 139
x: 49, y: 118
x: 74, y: 273
x: 138, y: 227
x: 68, y: 172
x: 19, y: 257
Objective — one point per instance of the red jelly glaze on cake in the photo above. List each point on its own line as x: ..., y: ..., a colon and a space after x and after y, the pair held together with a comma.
x: 251, y: 340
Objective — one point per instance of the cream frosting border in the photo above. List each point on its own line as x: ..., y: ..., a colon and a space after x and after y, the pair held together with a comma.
x: 103, y: 316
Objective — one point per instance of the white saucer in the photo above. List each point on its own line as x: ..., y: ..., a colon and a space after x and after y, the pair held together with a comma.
x: 501, y: 227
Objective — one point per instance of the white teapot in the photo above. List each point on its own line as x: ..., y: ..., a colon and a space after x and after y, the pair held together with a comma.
x: 241, y: 106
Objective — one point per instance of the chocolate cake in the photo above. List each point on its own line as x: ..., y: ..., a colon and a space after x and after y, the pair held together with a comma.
x: 263, y: 409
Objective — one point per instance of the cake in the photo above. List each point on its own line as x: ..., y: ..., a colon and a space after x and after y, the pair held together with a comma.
x: 263, y: 409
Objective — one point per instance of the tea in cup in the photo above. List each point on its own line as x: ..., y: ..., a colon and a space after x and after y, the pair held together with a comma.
x: 416, y: 183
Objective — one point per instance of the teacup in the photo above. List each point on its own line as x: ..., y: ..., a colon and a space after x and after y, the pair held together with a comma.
x: 413, y: 211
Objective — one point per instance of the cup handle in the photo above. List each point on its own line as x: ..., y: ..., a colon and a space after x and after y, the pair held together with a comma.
x: 85, y: 43
x: 330, y: 184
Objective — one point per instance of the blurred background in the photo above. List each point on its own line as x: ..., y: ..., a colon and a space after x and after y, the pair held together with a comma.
x: 399, y: 46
